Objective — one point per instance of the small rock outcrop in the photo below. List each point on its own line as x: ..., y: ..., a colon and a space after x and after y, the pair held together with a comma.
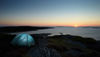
x: 41, y: 50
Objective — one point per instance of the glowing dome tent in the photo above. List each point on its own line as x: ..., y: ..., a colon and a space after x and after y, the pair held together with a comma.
x: 23, y: 40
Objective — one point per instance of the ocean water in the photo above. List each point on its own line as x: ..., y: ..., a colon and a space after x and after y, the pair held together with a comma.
x: 79, y: 31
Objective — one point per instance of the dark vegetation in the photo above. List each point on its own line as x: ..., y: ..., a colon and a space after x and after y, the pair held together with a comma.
x: 75, y: 46
x: 20, y: 28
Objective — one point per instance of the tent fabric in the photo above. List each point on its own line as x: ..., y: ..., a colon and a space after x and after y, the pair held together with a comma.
x: 23, y: 40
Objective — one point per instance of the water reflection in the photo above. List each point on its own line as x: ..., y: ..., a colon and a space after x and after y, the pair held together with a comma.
x: 85, y: 32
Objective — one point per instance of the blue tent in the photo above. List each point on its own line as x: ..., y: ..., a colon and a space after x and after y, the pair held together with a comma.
x: 23, y: 40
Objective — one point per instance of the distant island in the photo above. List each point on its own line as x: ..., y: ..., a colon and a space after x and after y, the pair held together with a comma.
x: 94, y: 27
x: 10, y: 29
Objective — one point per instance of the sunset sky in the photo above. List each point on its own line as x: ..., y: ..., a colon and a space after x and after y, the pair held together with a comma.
x: 50, y: 12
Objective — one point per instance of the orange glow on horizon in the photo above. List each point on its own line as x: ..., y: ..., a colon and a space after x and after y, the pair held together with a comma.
x: 49, y: 24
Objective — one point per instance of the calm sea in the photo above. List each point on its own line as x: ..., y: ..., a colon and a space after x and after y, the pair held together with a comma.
x: 84, y: 32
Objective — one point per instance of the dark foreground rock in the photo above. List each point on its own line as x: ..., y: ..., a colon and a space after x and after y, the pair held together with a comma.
x: 54, y: 46
x: 43, y: 52
x: 41, y: 49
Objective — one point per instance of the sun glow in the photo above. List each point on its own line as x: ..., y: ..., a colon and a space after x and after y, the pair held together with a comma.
x: 76, y: 25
